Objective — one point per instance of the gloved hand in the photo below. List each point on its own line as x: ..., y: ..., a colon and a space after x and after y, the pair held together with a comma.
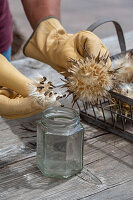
x: 81, y: 57
x: 21, y: 97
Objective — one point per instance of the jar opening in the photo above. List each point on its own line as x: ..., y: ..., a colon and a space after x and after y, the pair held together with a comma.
x: 60, y: 116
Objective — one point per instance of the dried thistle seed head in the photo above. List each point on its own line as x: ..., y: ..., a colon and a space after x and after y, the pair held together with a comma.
x: 89, y: 78
x: 124, y: 65
x: 126, y: 90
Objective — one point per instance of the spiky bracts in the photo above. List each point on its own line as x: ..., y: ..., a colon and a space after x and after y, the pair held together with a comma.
x: 89, y: 78
x: 41, y: 91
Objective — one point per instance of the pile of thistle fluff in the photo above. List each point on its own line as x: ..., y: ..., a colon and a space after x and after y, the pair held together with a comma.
x: 124, y: 64
x: 125, y: 89
x: 90, y: 78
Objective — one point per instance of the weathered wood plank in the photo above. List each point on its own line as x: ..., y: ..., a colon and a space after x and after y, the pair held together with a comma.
x: 24, y: 180
x: 122, y: 191
x: 17, y: 143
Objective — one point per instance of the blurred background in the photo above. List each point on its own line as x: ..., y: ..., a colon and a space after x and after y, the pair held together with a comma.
x: 76, y: 15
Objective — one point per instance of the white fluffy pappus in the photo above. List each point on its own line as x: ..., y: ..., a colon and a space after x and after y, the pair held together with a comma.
x: 41, y: 91
x: 126, y: 89
x: 125, y: 65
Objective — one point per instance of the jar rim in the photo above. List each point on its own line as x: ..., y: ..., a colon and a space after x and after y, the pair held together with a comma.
x: 70, y: 115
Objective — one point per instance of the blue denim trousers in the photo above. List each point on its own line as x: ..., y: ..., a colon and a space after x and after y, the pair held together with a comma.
x: 7, y: 53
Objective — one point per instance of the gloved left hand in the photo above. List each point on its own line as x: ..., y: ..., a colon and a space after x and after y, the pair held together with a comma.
x: 21, y: 97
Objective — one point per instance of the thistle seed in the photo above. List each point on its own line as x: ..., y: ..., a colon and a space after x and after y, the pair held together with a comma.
x: 49, y: 82
x: 50, y: 88
x: 40, y: 87
x: 46, y: 93
x: 50, y: 94
x: 57, y: 98
x: 44, y: 78
x: 52, y: 85
x: 42, y: 82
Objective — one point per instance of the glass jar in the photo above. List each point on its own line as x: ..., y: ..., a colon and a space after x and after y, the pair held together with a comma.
x: 60, y: 142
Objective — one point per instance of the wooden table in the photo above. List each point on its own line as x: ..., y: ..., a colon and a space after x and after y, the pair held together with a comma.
x: 108, y: 160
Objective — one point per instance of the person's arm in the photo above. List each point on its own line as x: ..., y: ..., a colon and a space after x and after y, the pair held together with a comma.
x: 36, y: 10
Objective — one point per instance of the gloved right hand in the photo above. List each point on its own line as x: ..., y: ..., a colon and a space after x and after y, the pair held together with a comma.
x: 21, y: 97
x: 81, y: 57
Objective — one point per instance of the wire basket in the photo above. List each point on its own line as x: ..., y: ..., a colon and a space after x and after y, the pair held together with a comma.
x: 103, y: 115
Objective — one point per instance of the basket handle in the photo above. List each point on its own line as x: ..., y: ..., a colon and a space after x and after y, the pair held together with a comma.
x: 118, y: 28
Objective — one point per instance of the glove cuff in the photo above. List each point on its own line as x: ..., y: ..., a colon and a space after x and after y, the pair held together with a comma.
x: 34, y: 31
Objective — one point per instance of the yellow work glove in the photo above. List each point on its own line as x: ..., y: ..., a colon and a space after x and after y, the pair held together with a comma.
x: 81, y: 57
x: 21, y: 97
